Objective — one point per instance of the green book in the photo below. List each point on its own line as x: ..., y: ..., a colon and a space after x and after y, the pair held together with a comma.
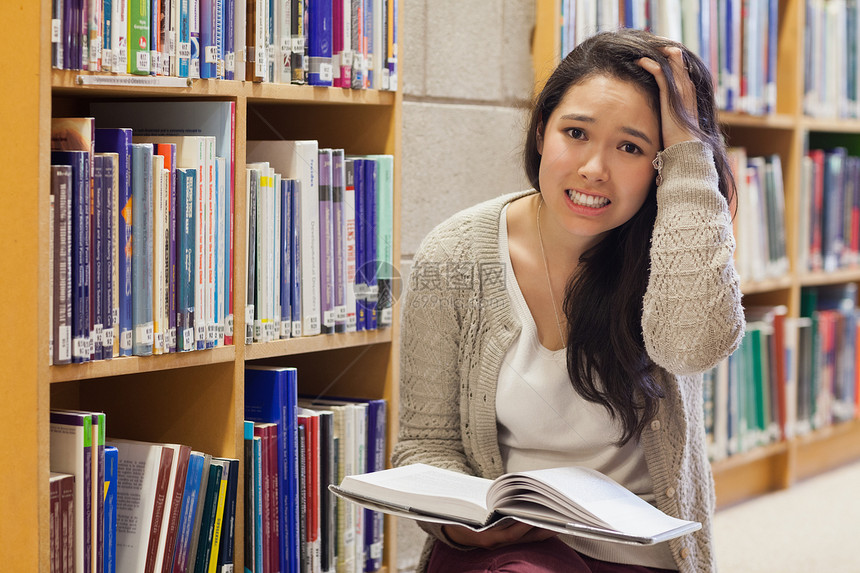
x: 138, y: 37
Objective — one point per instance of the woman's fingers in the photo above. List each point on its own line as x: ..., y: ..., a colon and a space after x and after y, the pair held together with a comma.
x: 673, y: 130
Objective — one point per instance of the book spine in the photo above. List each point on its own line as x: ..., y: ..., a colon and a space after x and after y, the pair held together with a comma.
x: 349, y: 245
x: 159, y: 206
x: 139, y: 37
x: 376, y: 443
x: 229, y: 8
x: 194, y: 38
x: 310, y: 236
x: 209, y: 237
x: 190, y: 500
x: 110, y: 505
x: 272, y: 55
x: 265, y: 493
x: 393, y: 15
x: 218, y: 525
x: 111, y: 218
x: 385, y: 240
x: 285, y: 8
x: 80, y: 253
x: 361, y: 223
x: 207, y: 523
x: 252, y: 180
x: 183, y: 43
x: 200, y: 247
x: 248, y: 496
x: 277, y: 213
x: 339, y: 240
x: 165, y: 467
x: 107, y: 25
x: 187, y: 198
x: 142, y: 320
x: 259, y: 553
x: 98, y: 554
x: 371, y: 190
x: 171, y: 246
x: 57, y: 44
x: 320, y: 43
x: 67, y: 518
x: 302, y: 499
x: 167, y: 549
x: 228, y: 530
x: 97, y: 257
x: 286, y: 253
x: 296, y: 259
x: 327, y: 307
x: 61, y: 187
x: 297, y: 43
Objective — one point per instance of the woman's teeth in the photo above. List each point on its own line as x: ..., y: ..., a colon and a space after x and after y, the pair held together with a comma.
x: 587, y: 200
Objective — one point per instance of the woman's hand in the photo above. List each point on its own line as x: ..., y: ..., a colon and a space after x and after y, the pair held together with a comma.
x: 673, y: 130
x: 503, y: 534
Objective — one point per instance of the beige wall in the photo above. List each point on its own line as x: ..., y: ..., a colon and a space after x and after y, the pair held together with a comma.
x: 467, y: 77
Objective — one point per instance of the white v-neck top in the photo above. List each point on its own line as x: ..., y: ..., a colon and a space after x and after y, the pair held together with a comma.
x: 543, y: 423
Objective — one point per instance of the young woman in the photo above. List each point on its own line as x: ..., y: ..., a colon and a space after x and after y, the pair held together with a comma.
x: 570, y: 324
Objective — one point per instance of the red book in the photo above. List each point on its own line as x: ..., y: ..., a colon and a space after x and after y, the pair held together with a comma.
x: 164, y: 469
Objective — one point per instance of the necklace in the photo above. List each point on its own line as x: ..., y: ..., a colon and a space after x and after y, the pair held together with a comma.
x: 546, y: 269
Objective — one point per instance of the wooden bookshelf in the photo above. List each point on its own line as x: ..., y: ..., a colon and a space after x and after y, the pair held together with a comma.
x: 785, y: 133
x: 193, y: 398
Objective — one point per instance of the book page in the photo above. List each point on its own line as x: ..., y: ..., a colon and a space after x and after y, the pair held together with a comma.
x: 425, y: 489
x: 612, y: 506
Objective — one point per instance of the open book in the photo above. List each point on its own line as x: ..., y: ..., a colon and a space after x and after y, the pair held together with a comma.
x: 571, y: 500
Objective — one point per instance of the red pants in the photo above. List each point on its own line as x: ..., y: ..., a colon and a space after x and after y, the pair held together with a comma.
x: 549, y: 556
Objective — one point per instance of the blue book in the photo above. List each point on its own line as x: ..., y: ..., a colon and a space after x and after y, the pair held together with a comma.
x: 141, y: 252
x: 369, y: 199
x: 208, y: 48
x: 296, y: 259
x: 183, y: 40
x: 271, y: 397
x: 119, y: 141
x: 320, y: 72
x: 186, y: 199
x: 111, y: 461
x: 80, y: 164
x: 286, y: 257
x: 229, y: 40
x: 326, y: 251
x: 361, y: 221
x: 190, y: 501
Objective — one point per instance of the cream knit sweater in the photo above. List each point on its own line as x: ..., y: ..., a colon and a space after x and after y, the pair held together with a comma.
x: 458, y: 324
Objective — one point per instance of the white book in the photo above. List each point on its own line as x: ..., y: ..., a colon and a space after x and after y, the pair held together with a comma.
x: 299, y: 160
x: 284, y: 40
x: 569, y: 500
x: 222, y: 289
x: 119, y: 33
x: 239, y: 41
x: 139, y: 468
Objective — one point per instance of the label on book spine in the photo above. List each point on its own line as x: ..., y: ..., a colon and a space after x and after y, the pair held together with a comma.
x: 125, y: 340
x: 56, y: 27
x: 143, y: 61
x: 211, y: 54
x: 249, y: 323
x: 185, y: 50
x: 145, y: 333
x: 228, y: 325
x: 65, y: 342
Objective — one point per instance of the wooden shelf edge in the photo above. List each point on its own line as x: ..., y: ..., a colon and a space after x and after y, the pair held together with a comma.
x: 829, y: 278
x: 745, y: 458
x: 773, y: 121
x: 137, y: 364
x: 840, y: 125
x: 66, y: 81
x: 316, y: 343
x: 766, y: 285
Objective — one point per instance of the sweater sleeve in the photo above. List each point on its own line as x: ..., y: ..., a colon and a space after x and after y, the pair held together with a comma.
x: 429, y: 422
x: 692, y: 314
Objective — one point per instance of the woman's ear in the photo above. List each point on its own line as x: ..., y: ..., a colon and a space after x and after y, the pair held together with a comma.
x: 539, y: 138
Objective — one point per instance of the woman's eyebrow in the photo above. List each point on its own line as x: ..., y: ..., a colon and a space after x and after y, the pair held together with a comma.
x: 588, y: 119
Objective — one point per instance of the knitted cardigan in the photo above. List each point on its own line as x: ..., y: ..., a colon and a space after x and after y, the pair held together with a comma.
x: 458, y: 324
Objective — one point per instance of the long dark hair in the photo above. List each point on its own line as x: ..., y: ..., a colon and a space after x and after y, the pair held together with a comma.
x: 606, y: 357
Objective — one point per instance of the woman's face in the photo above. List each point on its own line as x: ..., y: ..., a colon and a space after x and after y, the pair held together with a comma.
x: 596, y: 152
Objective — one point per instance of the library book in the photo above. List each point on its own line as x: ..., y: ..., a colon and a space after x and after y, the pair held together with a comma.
x: 569, y: 500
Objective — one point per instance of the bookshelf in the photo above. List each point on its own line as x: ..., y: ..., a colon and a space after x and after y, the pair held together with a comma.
x: 786, y: 133
x: 192, y: 398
